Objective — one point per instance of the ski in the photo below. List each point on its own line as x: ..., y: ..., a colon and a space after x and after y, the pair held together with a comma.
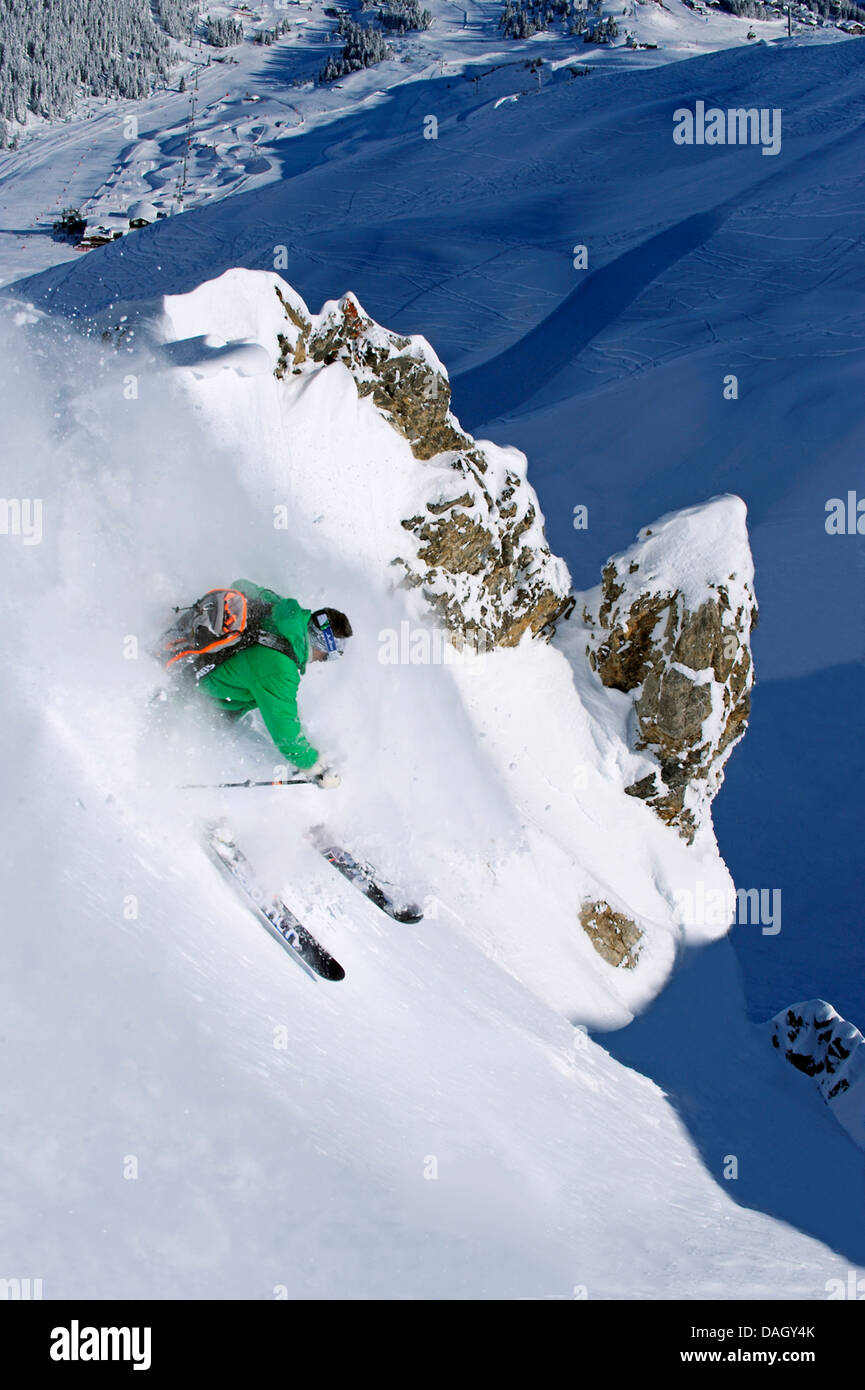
x: 365, y: 878
x: 279, y: 920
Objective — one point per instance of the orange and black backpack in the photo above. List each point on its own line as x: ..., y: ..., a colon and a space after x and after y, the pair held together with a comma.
x: 223, y: 622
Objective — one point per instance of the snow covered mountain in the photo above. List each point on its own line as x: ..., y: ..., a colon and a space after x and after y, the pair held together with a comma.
x: 468, y: 1109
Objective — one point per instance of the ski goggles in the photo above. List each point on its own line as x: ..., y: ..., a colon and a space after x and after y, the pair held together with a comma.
x: 324, y: 638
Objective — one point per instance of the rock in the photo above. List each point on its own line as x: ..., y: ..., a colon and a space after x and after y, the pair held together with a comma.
x: 613, y: 935
x: 405, y: 381
x: 478, y: 550
x: 644, y: 788
x: 671, y: 625
x: 820, y: 1043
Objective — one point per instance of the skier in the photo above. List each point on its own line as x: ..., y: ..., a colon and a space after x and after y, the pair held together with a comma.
x: 262, y: 669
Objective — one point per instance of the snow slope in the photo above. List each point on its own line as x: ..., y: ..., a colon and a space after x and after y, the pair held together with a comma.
x: 247, y: 1130
x: 227, y: 131
x: 494, y: 783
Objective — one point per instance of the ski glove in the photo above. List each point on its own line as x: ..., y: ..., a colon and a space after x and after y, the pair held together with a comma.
x: 324, y: 776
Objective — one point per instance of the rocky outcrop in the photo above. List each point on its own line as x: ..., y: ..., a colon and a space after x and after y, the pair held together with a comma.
x: 819, y: 1042
x: 404, y: 379
x: 476, y: 548
x: 671, y: 625
x: 614, y: 936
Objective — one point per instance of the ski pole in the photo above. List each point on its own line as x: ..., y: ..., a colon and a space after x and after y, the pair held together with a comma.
x: 280, y: 782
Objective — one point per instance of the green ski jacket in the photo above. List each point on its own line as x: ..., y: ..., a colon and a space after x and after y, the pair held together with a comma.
x: 264, y: 679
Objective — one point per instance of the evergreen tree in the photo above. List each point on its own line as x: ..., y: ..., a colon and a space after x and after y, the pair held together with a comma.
x: 56, y: 51
x: 520, y: 19
x: 403, y: 16
x: 177, y: 18
x: 223, y: 33
x: 363, y: 48
x: 269, y: 36
x: 747, y: 9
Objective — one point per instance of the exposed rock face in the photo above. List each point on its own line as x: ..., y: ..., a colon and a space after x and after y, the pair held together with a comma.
x: 477, y: 547
x: 819, y: 1042
x: 671, y: 624
x: 815, y: 1040
x: 613, y: 935
x: 399, y: 375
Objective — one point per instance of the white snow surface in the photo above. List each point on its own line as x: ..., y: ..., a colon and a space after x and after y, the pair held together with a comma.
x: 691, y: 550
x: 187, y: 1114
